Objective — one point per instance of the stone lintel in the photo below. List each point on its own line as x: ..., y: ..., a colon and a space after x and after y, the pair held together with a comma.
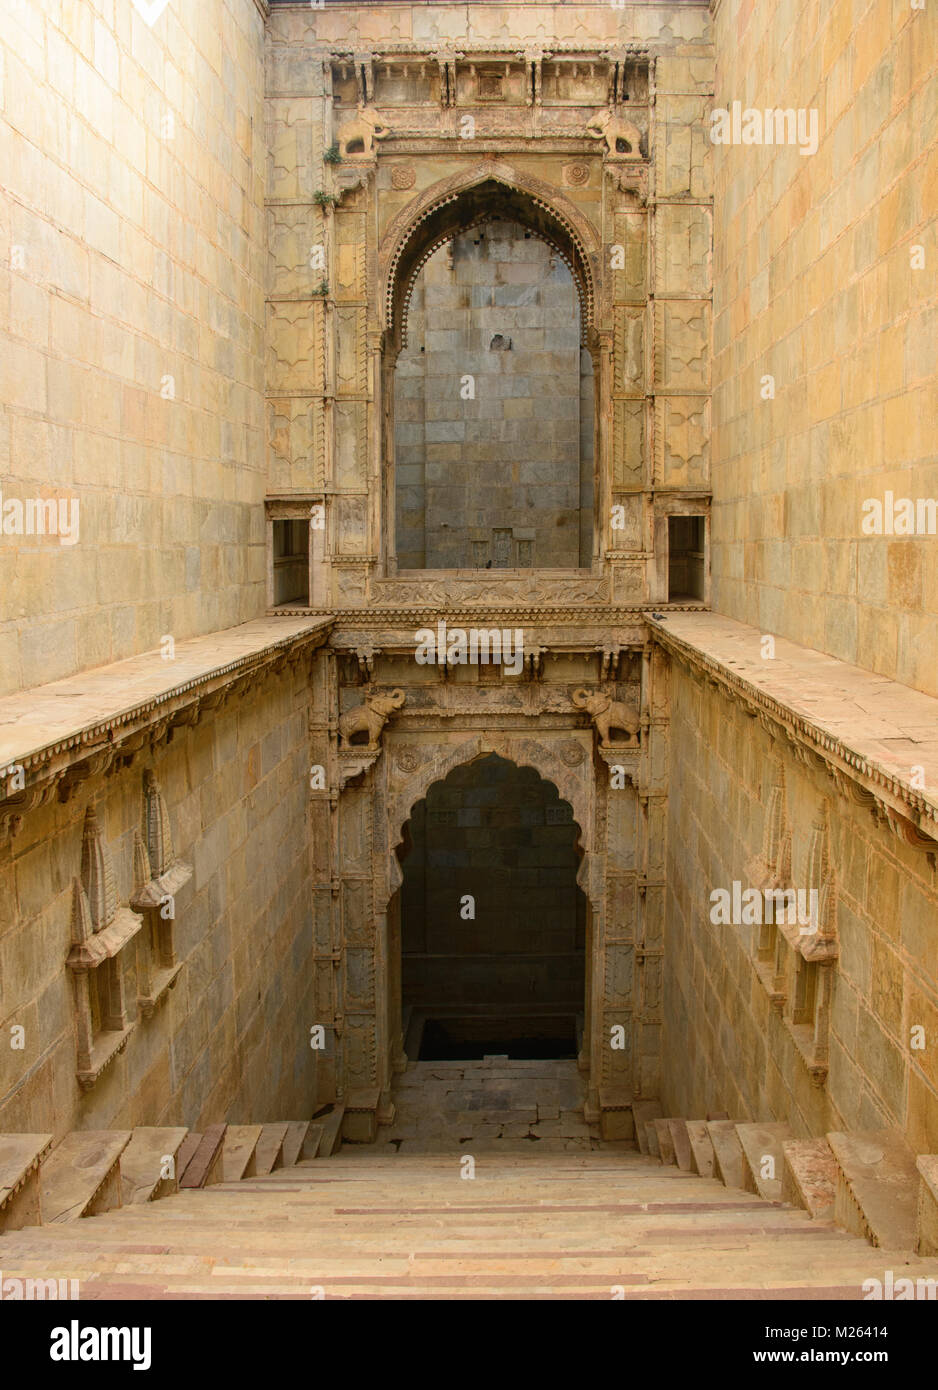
x: 167, y: 884
x: 107, y: 1045
x: 105, y: 944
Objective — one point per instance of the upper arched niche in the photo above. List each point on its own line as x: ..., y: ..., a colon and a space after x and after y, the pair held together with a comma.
x: 439, y: 215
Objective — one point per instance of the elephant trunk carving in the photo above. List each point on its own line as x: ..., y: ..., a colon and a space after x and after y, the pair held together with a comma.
x: 608, y: 715
x: 369, y: 719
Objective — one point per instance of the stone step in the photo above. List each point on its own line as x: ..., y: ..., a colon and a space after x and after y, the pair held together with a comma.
x: 683, y: 1156
x: 330, y: 1140
x: 877, y: 1187
x: 551, y: 1228
x: 205, y: 1165
x: 642, y: 1112
x: 20, y: 1192
x: 665, y: 1142
x: 81, y: 1176
x: 238, y: 1160
x: 809, y: 1177
x: 926, y: 1226
x: 728, y: 1160
x: 269, y: 1152
x: 633, y: 1236
x: 150, y: 1164
x: 700, y: 1147
x: 764, y: 1158
x: 293, y: 1141
x: 311, y: 1143
x: 186, y: 1152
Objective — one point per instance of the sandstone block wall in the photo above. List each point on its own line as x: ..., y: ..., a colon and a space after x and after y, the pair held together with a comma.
x: 131, y: 326
x: 817, y: 283
x: 230, y: 1041
x: 501, y: 835
x: 493, y: 478
x: 648, y: 230
x: 725, y: 1047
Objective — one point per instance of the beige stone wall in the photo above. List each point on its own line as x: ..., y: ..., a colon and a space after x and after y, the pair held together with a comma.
x: 816, y: 284
x: 231, y: 1039
x: 494, y: 480
x: 131, y: 252
x: 646, y: 229
x: 725, y: 1047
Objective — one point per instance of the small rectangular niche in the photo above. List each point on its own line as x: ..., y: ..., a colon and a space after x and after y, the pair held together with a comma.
x: 291, y: 561
x: 686, y: 559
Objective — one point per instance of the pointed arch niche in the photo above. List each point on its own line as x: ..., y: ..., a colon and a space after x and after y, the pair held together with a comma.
x: 492, y: 433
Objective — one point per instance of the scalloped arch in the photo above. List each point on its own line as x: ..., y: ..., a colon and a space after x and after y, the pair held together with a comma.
x: 570, y: 783
x: 464, y: 201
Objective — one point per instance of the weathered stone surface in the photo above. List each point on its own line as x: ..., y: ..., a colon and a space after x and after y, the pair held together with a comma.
x: 728, y: 1159
x: 20, y: 1194
x: 665, y: 1142
x: 240, y: 1150
x: 683, y: 1155
x: 701, y: 1147
x: 150, y: 1164
x: 877, y: 1187
x: 81, y: 1177
x: 809, y: 1176
x: 644, y: 1111
x: 764, y: 1158
x: 927, y: 1217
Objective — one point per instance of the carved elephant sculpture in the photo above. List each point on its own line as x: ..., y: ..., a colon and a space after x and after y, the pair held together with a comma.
x: 607, y: 714
x: 356, y: 137
x: 623, y: 139
x: 369, y: 718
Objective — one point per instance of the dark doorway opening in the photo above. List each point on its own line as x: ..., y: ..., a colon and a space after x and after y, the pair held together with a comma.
x: 493, y: 925
x: 466, y: 1040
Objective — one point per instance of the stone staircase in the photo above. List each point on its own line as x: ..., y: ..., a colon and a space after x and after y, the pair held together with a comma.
x: 488, y: 1184
x: 869, y: 1184
x: 94, y: 1171
x: 556, y: 1226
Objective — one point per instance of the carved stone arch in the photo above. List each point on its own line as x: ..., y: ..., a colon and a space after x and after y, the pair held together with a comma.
x: 489, y: 188
x: 573, y: 785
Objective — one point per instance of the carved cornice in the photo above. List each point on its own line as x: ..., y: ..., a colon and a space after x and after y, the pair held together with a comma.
x: 520, y: 52
x: 910, y: 815
x: 101, y: 748
x: 457, y: 613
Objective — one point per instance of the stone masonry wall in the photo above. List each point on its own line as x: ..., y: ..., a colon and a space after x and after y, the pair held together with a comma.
x: 500, y: 834
x: 493, y: 479
x: 818, y: 284
x: 131, y: 323
x: 231, y: 1039
x: 725, y: 1047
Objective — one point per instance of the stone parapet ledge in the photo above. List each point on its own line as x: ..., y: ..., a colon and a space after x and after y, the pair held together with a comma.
x: 877, y: 738
x: 54, y: 736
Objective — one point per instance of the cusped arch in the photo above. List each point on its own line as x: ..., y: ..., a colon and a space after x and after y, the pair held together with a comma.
x: 454, y: 206
x: 571, y: 782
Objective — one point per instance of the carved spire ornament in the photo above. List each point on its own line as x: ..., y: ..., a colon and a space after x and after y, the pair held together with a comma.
x: 97, y: 873
x: 158, y: 831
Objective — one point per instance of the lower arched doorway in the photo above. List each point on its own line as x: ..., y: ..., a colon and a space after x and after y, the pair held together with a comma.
x: 493, y: 927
